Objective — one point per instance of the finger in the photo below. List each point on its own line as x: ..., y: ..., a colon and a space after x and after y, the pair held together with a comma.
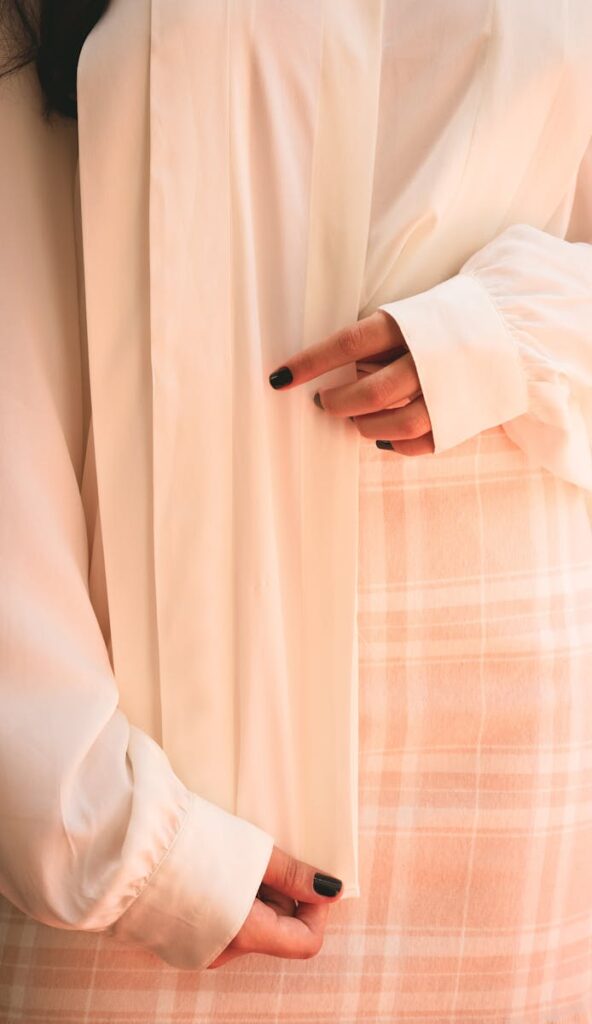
x: 300, y: 880
x: 373, y: 392
x: 278, y: 900
x: 260, y: 919
x: 418, y: 446
x: 297, y: 937
x: 369, y: 336
x: 314, y: 915
x: 406, y: 423
x: 372, y: 363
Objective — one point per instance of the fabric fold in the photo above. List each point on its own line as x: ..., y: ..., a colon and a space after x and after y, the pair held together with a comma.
x: 228, y: 510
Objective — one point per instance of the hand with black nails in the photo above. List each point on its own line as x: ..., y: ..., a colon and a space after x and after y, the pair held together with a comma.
x: 289, y: 914
x: 385, y: 402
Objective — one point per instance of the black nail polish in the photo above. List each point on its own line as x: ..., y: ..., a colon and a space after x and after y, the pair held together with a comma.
x: 384, y: 444
x: 280, y: 377
x: 326, y: 885
x: 317, y: 399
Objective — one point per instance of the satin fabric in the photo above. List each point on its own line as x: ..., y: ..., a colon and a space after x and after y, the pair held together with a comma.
x: 253, y: 177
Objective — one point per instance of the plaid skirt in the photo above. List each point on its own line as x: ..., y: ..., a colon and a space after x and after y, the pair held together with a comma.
x: 475, y: 629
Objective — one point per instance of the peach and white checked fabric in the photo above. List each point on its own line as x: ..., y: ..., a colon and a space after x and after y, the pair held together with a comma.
x: 475, y: 623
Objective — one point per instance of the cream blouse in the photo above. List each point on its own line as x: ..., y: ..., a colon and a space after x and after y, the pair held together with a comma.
x: 178, y: 540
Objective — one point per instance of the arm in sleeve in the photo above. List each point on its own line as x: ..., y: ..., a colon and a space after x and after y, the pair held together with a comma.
x: 97, y: 833
x: 508, y: 340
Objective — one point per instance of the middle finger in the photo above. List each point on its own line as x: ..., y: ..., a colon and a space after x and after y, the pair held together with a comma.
x: 373, y: 391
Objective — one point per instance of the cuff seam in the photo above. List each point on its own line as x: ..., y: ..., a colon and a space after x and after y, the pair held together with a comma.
x: 166, y: 852
x: 232, y: 932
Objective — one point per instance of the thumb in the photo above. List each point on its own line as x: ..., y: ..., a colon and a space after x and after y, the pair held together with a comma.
x: 300, y: 880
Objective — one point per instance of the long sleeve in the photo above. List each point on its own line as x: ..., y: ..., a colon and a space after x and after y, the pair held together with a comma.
x: 508, y: 340
x: 96, y: 830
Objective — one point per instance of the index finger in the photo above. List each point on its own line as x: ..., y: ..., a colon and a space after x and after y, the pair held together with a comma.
x: 371, y: 336
x: 299, y: 936
x: 296, y: 936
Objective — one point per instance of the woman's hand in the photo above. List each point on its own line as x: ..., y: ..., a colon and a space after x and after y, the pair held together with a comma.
x: 386, y: 400
x: 288, y: 916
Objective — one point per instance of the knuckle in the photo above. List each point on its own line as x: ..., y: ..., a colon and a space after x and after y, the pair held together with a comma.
x: 291, y: 873
x: 378, y: 390
x: 413, y: 424
x: 350, y: 339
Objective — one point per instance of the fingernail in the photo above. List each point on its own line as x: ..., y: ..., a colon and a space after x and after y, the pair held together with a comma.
x: 384, y: 444
x: 317, y: 399
x: 278, y: 378
x: 326, y: 885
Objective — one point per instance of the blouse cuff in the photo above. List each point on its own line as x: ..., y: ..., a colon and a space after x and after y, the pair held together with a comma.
x: 468, y: 364
x: 201, y: 892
